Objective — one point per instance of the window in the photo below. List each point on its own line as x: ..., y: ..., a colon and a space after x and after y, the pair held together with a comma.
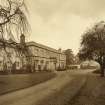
x: 42, y: 61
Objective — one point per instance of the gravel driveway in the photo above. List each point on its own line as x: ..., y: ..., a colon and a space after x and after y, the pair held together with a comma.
x: 35, y: 94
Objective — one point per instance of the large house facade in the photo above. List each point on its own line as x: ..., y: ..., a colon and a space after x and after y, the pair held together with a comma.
x: 30, y: 55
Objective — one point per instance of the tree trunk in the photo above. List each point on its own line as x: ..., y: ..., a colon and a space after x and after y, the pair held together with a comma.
x: 101, y: 62
x: 102, y: 71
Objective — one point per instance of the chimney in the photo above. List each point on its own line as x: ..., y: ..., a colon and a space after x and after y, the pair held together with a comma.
x: 60, y: 50
x: 22, y: 39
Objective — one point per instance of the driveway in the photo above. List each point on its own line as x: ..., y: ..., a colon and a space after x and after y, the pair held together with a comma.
x: 35, y: 94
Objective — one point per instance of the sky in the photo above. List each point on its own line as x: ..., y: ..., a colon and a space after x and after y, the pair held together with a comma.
x: 60, y: 23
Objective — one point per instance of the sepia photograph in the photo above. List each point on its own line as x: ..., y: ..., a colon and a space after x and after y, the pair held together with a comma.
x: 52, y: 52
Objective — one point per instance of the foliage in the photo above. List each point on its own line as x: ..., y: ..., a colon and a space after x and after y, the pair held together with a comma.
x: 77, y: 59
x: 69, y: 57
x: 93, y: 44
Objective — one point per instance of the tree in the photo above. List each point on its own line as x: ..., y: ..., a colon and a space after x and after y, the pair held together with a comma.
x: 69, y: 57
x: 77, y: 60
x: 93, y: 45
x: 13, y: 22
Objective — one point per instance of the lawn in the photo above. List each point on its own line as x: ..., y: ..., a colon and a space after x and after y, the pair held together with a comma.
x: 9, y: 83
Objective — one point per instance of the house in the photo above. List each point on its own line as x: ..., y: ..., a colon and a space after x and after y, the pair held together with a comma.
x: 29, y: 56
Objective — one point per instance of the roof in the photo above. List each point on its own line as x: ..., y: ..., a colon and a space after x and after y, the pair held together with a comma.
x: 42, y: 46
x: 11, y: 43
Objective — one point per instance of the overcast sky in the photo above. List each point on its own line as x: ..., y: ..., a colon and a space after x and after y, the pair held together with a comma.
x: 60, y: 23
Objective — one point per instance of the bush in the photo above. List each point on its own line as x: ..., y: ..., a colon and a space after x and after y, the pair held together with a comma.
x: 98, y: 71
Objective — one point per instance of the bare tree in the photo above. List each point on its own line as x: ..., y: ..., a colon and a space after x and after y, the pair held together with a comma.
x: 13, y: 22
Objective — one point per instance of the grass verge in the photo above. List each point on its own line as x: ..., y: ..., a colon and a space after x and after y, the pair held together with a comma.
x: 10, y: 83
